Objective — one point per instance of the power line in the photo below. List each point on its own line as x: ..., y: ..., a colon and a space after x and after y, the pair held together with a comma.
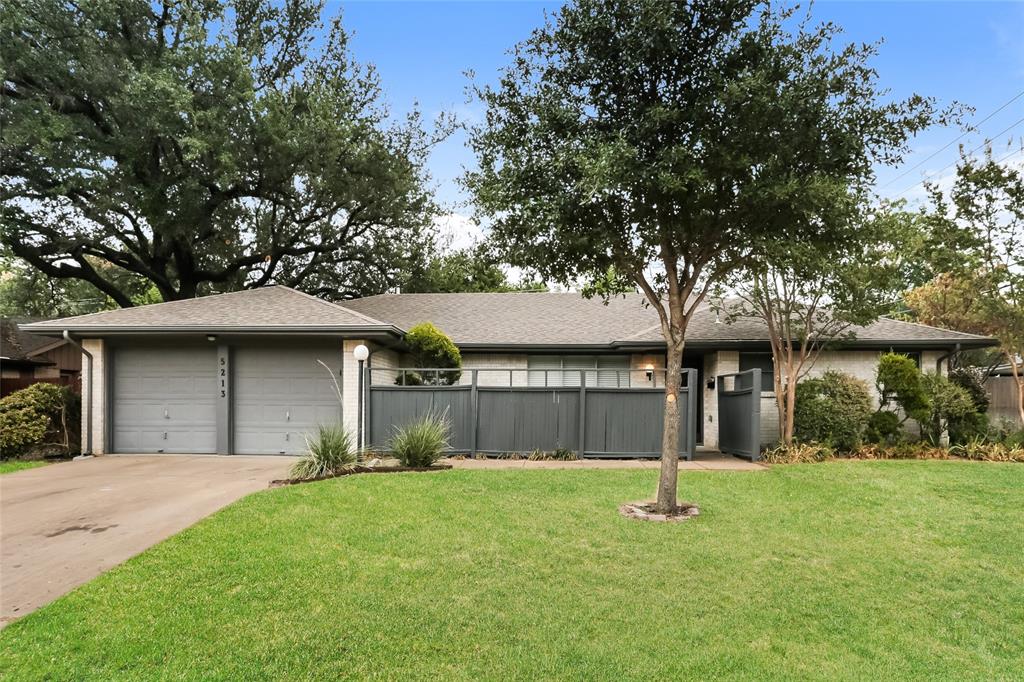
x: 954, y: 141
x: 987, y: 141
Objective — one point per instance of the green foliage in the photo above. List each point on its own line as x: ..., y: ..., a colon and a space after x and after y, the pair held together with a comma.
x: 884, y: 427
x: 201, y: 147
x: 900, y: 385
x: 41, y: 416
x: 833, y: 409
x: 328, y: 452
x: 422, y: 442
x: 948, y: 403
x: 975, y: 424
x: 431, y: 347
x: 979, y: 449
x: 465, y: 270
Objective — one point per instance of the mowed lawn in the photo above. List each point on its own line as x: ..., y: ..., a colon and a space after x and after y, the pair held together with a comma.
x: 12, y: 465
x: 858, y: 570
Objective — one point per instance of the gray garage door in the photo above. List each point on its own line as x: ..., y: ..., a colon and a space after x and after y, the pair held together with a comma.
x: 281, y: 394
x: 164, y: 400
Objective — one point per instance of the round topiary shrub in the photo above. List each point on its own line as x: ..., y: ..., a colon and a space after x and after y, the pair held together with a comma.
x: 429, y: 347
x: 832, y: 409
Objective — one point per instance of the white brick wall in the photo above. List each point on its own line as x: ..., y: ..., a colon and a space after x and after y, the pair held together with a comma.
x: 98, y: 393
x: 638, y: 364
x: 503, y: 361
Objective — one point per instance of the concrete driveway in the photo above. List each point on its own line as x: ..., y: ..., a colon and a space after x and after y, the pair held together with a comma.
x: 63, y: 524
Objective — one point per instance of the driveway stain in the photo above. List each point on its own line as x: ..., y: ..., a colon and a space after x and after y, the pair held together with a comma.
x: 90, y: 527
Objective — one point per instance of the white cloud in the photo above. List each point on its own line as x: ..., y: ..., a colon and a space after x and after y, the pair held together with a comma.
x: 458, y: 231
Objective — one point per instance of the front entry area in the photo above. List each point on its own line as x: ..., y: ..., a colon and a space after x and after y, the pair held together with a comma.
x: 246, y: 397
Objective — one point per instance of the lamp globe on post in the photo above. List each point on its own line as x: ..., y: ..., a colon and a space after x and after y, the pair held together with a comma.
x: 361, y: 353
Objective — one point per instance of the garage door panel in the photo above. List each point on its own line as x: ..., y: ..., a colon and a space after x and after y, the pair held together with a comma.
x: 281, y: 395
x: 164, y: 400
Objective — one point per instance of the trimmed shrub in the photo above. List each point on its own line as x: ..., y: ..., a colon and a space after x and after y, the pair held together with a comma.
x: 431, y: 347
x: 976, y: 424
x: 40, y: 419
x: 947, y: 402
x: 422, y: 442
x: 884, y: 428
x: 899, y: 383
x: 833, y: 409
x: 328, y: 453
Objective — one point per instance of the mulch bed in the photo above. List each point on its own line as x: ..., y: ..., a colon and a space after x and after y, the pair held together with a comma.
x: 358, y: 470
x: 644, y: 511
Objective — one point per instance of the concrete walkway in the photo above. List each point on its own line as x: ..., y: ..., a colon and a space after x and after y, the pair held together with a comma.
x: 63, y: 524
x: 705, y: 461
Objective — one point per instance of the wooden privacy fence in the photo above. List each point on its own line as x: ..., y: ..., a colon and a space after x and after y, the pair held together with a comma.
x: 593, y: 421
x: 739, y: 414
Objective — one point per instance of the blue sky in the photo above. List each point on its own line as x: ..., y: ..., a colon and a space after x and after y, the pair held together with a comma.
x: 971, y: 52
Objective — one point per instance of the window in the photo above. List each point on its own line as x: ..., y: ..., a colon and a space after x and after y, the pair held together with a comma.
x: 761, y: 361
x: 605, y: 371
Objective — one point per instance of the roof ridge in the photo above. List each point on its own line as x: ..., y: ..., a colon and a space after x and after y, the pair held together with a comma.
x: 332, y: 304
x: 931, y: 326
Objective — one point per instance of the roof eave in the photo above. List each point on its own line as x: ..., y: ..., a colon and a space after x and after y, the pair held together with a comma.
x: 104, y: 330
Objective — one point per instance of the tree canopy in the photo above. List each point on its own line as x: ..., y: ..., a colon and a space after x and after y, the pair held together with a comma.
x: 203, y: 146
x: 662, y: 146
x: 472, y: 269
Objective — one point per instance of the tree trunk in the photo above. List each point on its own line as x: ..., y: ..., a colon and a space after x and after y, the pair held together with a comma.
x: 668, y: 480
x: 1018, y: 379
x: 790, y: 411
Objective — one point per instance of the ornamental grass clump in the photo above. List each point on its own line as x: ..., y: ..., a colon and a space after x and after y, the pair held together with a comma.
x: 328, y: 453
x: 422, y: 442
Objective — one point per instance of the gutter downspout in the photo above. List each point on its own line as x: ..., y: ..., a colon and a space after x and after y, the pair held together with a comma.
x: 87, y: 408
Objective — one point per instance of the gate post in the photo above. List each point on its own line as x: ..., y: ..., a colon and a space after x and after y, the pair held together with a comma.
x: 474, y: 398
x: 581, y: 444
x: 691, y: 412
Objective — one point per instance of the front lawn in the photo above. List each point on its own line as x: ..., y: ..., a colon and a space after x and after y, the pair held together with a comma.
x: 866, y: 570
x: 12, y: 465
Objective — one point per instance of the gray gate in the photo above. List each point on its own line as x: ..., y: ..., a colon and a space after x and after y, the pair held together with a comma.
x: 594, y: 422
x: 739, y: 414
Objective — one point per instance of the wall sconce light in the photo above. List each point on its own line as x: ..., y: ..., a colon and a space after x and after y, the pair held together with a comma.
x: 650, y: 371
x: 711, y: 384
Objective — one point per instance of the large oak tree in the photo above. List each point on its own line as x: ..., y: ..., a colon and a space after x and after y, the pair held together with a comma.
x: 203, y: 146
x: 663, y: 145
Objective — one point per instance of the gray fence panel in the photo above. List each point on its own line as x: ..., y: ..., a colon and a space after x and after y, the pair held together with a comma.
x: 394, y: 406
x: 523, y: 420
x: 612, y: 422
x: 739, y: 414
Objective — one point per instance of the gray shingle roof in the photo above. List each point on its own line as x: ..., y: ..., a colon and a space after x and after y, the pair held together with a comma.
x: 567, y: 318
x: 496, y: 320
x: 273, y: 308
x: 17, y: 344
x: 514, y: 318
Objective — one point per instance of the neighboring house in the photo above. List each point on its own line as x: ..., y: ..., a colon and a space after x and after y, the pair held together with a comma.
x: 27, y: 358
x: 239, y: 372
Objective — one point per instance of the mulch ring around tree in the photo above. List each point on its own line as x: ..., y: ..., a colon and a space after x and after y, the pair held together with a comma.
x: 358, y: 470
x: 644, y: 511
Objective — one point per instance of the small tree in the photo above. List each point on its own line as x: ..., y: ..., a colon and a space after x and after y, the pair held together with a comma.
x: 429, y: 347
x: 663, y: 145
x: 833, y: 409
x: 980, y: 288
x: 809, y: 297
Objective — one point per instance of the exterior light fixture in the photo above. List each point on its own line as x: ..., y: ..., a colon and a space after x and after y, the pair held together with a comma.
x: 211, y: 337
x: 360, y: 353
x: 650, y: 371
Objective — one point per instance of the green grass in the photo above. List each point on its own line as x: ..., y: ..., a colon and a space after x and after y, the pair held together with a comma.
x: 854, y: 570
x: 12, y: 465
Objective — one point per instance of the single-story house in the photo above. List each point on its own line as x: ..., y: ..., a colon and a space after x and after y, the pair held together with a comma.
x: 244, y: 372
x: 27, y: 358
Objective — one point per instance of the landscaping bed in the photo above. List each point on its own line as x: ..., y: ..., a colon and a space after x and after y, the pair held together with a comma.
x: 840, y: 570
x: 359, y: 470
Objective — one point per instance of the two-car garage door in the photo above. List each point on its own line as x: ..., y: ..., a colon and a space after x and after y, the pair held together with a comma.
x: 164, y: 398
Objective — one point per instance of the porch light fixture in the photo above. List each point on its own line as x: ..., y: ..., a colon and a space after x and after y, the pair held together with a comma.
x: 650, y: 371
x: 211, y: 337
